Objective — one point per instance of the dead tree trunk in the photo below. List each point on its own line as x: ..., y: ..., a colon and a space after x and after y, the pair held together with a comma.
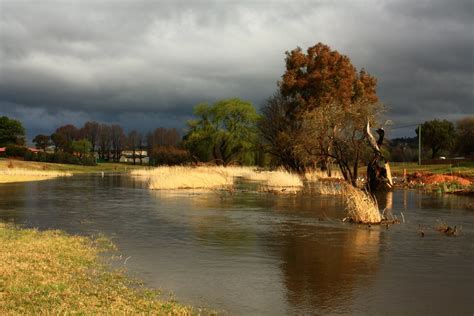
x: 379, y: 177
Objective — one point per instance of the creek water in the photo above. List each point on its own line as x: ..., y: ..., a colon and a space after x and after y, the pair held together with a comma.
x: 247, y: 253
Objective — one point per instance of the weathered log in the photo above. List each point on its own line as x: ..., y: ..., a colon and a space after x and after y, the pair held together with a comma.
x: 379, y: 176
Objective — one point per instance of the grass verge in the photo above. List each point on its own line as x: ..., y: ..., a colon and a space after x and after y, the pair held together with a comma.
x: 51, y: 272
x: 74, y: 169
x: 461, y: 169
x: 9, y: 175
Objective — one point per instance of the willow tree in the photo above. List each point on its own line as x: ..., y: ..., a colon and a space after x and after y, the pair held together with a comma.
x: 224, y: 132
x: 331, y: 102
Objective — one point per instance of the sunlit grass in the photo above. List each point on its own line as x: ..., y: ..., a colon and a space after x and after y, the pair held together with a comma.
x: 316, y: 175
x: 463, y: 168
x: 215, y: 177
x: 74, y: 169
x: 179, y: 177
x: 8, y: 175
x: 360, y: 206
x: 54, y: 273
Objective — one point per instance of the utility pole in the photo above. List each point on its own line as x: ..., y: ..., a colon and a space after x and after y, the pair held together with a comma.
x: 419, y: 145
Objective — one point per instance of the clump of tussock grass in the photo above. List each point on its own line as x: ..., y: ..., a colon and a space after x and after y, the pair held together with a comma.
x: 361, y: 206
x: 328, y: 187
x: 179, y: 177
x: 12, y: 174
x: 217, y: 177
x: 278, y: 181
x: 51, y: 272
x: 317, y: 175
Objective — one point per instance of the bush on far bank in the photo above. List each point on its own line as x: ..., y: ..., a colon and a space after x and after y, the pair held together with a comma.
x: 59, y: 157
x: 15, y: 151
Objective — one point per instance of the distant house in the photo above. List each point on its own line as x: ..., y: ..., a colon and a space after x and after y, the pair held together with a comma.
x: 127, y: 156
x: 3, y: 151
x: 33, y: 150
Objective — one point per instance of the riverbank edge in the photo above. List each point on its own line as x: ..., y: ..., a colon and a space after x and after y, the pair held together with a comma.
x: 106, y: 167
x: 51, y: 272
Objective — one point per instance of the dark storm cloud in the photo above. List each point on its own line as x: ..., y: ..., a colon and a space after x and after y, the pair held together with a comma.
x: 146, y: 63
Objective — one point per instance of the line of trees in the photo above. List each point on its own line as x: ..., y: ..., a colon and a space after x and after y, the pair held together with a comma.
x: 438, y: 138
x: 318, y: 117
x: 108, y: 142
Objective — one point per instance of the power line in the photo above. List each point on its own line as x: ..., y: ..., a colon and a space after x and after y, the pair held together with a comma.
x: 404, y: 126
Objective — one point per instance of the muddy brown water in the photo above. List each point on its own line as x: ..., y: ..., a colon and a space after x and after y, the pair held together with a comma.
x: 265, y: 254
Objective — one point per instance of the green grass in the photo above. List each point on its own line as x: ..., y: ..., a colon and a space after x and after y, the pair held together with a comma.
x: 51, y: 272
x: 76, y: 169
x: 465, y: 169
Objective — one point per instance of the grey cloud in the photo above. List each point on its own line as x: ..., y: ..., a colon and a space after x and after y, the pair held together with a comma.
x: 149, y: 62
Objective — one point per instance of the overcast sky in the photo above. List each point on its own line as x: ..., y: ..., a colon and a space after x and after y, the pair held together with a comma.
x: 145, y: 64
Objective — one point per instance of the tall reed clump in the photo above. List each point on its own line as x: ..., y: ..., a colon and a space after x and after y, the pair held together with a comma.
x: 317, y: 175
x: 328, y: 187
x: 276, y: 181
x: 360, y: 206
x: 217, y: 177
x: 178, y: 177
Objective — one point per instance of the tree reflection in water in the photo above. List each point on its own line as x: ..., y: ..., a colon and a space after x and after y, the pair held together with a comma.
x: 321, y: 269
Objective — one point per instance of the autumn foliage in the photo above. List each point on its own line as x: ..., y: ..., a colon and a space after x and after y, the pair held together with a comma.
x: 319, y: 113
x: 323, y: 76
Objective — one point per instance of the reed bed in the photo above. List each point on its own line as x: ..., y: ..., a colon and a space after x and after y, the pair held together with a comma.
x: 216, y: 177
x: 317, y: 175
x: 168, y: 178
x: 278, y: 181
x: 328, y: 187
x: 360, y: 206
x: 8, y: 175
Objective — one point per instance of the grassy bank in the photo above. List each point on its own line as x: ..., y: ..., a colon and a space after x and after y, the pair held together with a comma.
x: 462, y: 169
x: 54, y: 273
x: 8, y: 175
x: 75, y: 169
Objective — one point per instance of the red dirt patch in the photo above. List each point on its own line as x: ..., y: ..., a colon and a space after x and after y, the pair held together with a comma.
x: 426, y: 178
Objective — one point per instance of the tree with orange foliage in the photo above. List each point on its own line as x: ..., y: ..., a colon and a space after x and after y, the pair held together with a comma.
x: 322, y: 76
x: 327, y: 101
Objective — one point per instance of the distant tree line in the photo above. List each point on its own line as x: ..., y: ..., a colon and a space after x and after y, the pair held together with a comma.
x: 439, y: 138
x: 319, y: 117
x: 108, y: 142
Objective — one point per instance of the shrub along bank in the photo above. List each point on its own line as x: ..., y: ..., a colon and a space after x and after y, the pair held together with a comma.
x: 60, y: 157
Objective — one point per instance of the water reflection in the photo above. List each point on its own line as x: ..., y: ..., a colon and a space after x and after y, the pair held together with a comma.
x: 253, y: 253
x: 12, y: 200
x: 323, y: 267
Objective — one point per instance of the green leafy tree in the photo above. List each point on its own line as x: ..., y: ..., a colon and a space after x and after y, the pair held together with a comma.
x: 42, y: 141
x: 59, y: 141
x: 465, y: 136
x: 81, y: 147
x: 437, y: 135
x: 12, y: 132
x: 224, y: 132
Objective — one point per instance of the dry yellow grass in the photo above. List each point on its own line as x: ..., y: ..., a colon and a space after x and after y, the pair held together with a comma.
x: 216, y: 177
x: 328, y: 187
x: 51, y: 273
x: 168, y: 178
x: 317, y: 175
x: 278, y: 181
x: 360, y: 206
x: 8, y: 175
